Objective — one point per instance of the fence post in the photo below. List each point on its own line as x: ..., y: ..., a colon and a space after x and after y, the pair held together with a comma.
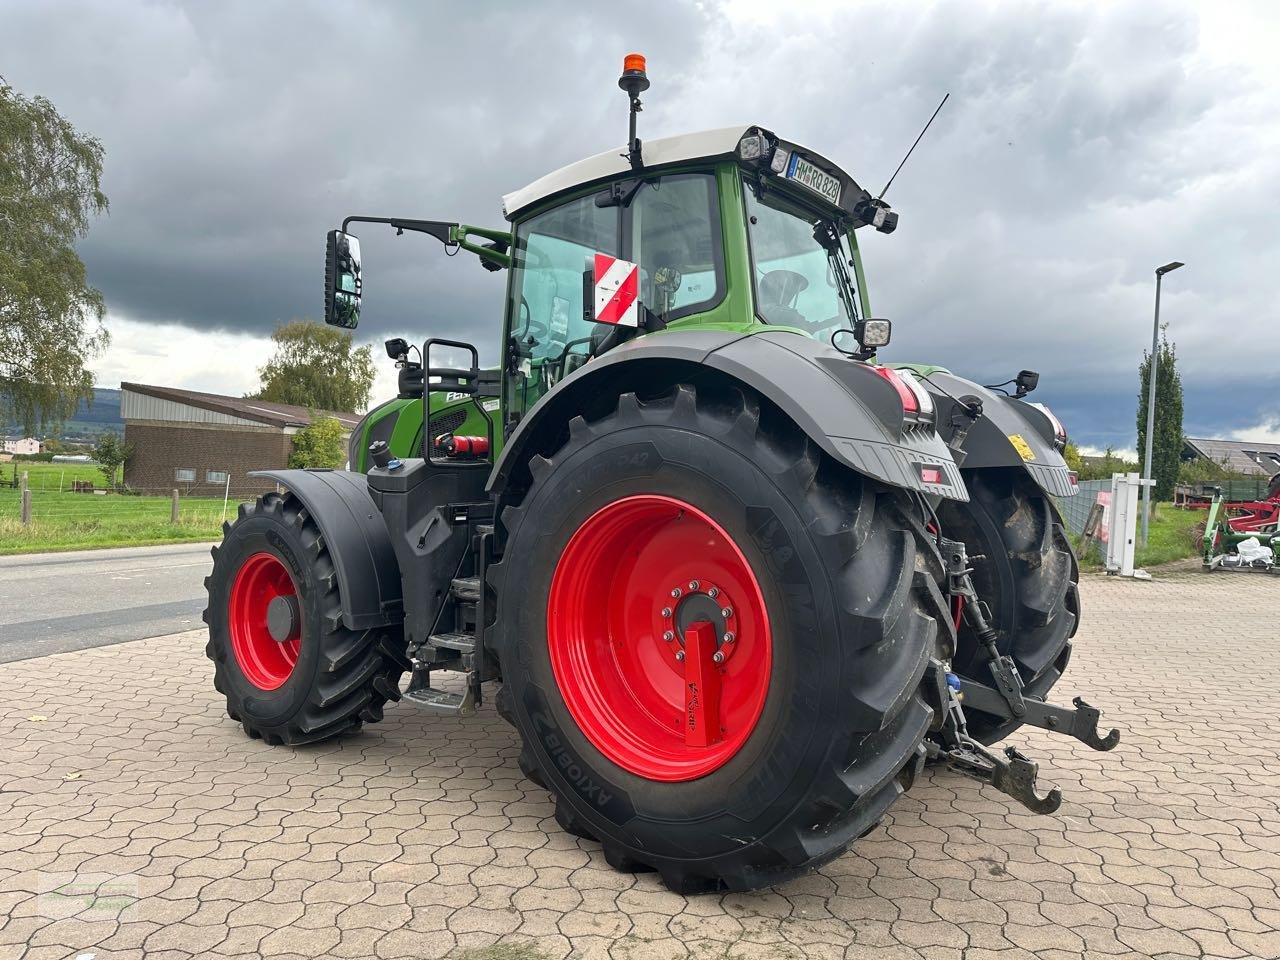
x: 226, y: 492
x: 26, y: 483
x: 173, y: 509
x: 26, y: 505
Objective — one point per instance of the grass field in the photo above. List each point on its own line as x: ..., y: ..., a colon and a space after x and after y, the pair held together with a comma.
x: 51, y: 476
x: 1173, y: 535
x: 72, y: 521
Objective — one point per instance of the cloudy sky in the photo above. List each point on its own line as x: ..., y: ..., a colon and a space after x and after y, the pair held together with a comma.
x: 1083, y: 145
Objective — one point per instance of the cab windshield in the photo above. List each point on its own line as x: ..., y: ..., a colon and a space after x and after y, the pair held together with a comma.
x: 799, y: 282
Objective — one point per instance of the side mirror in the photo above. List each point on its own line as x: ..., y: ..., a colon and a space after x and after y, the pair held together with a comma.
x: 342, y: 280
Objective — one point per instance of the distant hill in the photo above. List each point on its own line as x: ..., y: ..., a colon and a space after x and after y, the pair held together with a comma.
x: 103, y: 416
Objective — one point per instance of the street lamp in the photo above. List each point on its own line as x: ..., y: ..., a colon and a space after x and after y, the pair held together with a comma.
x: 1147, y: 473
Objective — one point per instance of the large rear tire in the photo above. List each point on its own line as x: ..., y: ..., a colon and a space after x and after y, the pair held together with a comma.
x: 1025, y: 570
x: 832, y: 586
x: 291, y: 672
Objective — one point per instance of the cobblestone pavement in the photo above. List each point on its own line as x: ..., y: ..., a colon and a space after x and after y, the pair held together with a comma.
x: 135, y: 819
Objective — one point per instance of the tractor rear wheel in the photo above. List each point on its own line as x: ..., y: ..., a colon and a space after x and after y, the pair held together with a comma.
x: 291, y: 672
x: 1025, y: 570
x: 712, y: 640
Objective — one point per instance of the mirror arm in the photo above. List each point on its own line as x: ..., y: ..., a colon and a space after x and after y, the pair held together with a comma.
x: 436, y: 228
x: 450, y: 234
x: 493, y: 255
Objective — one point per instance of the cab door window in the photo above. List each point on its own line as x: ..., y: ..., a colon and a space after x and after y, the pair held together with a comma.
x: 673, y: 228
x: 549, y: 336
x: 669, y: 226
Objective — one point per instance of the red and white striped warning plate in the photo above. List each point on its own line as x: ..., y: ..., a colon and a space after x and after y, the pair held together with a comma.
x: 617, y: 291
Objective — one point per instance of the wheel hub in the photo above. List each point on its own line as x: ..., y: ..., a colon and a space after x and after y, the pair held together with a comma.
x: 699, y: 601
x: 659, y: 637
x: 265, y: 621
x: 282, y: 618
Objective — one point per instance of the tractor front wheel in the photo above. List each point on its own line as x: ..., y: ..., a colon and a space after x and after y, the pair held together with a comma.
x: 291, y: 672
x: 712, y: 640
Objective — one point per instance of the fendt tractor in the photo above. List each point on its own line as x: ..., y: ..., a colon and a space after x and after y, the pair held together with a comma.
x: 739, y: 580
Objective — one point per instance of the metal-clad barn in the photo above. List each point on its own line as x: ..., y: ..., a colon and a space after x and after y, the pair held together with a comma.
x: 1249, y: 457
x: 197, y: 442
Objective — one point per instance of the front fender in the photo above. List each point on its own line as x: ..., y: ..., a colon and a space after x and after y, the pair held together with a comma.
x: 358, y: 542
x: 854, y: 415
x: 1010, y: 433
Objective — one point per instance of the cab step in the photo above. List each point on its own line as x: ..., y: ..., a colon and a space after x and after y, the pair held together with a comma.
x: 462, y: 642
x: 466, y: 589
x: 444, y: 703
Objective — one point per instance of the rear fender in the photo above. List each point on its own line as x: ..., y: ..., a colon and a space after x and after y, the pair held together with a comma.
x: 1010, y: 433
x: 359, y: 544
x: 854, y: 415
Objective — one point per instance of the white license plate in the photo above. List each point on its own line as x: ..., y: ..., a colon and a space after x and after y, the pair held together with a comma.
x: 806, y: 174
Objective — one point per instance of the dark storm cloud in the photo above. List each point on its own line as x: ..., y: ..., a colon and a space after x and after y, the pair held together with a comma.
x: 1082, y: 147
x: 237, y: 134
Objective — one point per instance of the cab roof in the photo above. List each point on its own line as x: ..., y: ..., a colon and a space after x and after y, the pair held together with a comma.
x: 700, y: 145
x: 610, y: 163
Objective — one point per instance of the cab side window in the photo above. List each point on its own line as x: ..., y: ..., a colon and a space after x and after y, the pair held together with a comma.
x: 548, y: 333
x: 674, y: 234
x: 670, y: 227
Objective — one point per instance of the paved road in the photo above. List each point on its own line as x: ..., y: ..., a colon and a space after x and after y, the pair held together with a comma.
x: 167, y: 833
x: 57, y: 602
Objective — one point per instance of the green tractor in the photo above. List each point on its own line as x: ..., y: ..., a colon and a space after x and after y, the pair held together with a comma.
x: 738, y: 580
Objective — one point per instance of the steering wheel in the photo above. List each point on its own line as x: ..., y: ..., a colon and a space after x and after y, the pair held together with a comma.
x: 537, y: 329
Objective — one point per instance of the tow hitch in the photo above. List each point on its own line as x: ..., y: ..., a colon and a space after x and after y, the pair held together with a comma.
x: 1013, y: 774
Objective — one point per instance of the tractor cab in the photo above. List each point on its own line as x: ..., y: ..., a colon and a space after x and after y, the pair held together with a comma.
x: 732, y: 229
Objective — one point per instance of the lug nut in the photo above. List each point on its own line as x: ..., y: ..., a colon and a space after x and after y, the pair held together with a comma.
x: 668, y: 636
x: 666, y: 612
x: 727, y: 612
x: 729, y: 637
x: 675, y: 594
x: 718, y: 657
x: 713, y: 592
x: 679, y: 654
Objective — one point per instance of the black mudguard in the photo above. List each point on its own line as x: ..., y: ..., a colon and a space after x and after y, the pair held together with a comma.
x: 854, y: 415
x: 359, y: 544
x: 1010, y: 433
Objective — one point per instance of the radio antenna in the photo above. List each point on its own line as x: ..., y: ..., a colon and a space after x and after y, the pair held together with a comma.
x: 913, y: 146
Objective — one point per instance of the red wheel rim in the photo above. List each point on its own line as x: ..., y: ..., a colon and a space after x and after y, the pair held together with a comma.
x: 666, y: 686
x: 265, y: 661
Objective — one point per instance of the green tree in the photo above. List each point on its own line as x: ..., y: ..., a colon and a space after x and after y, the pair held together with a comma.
x: 50, y: 318
x: 1166, y: 454
x: 319, y: 444
x: 1203, y: 471
x: 317, y: 366
x: 1102, y: 468
x: 1072, y: 455
x: 111, y: 453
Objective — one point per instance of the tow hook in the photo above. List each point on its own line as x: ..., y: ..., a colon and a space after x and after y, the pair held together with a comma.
x: 1013, y: 774
x: 1081, y: 722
